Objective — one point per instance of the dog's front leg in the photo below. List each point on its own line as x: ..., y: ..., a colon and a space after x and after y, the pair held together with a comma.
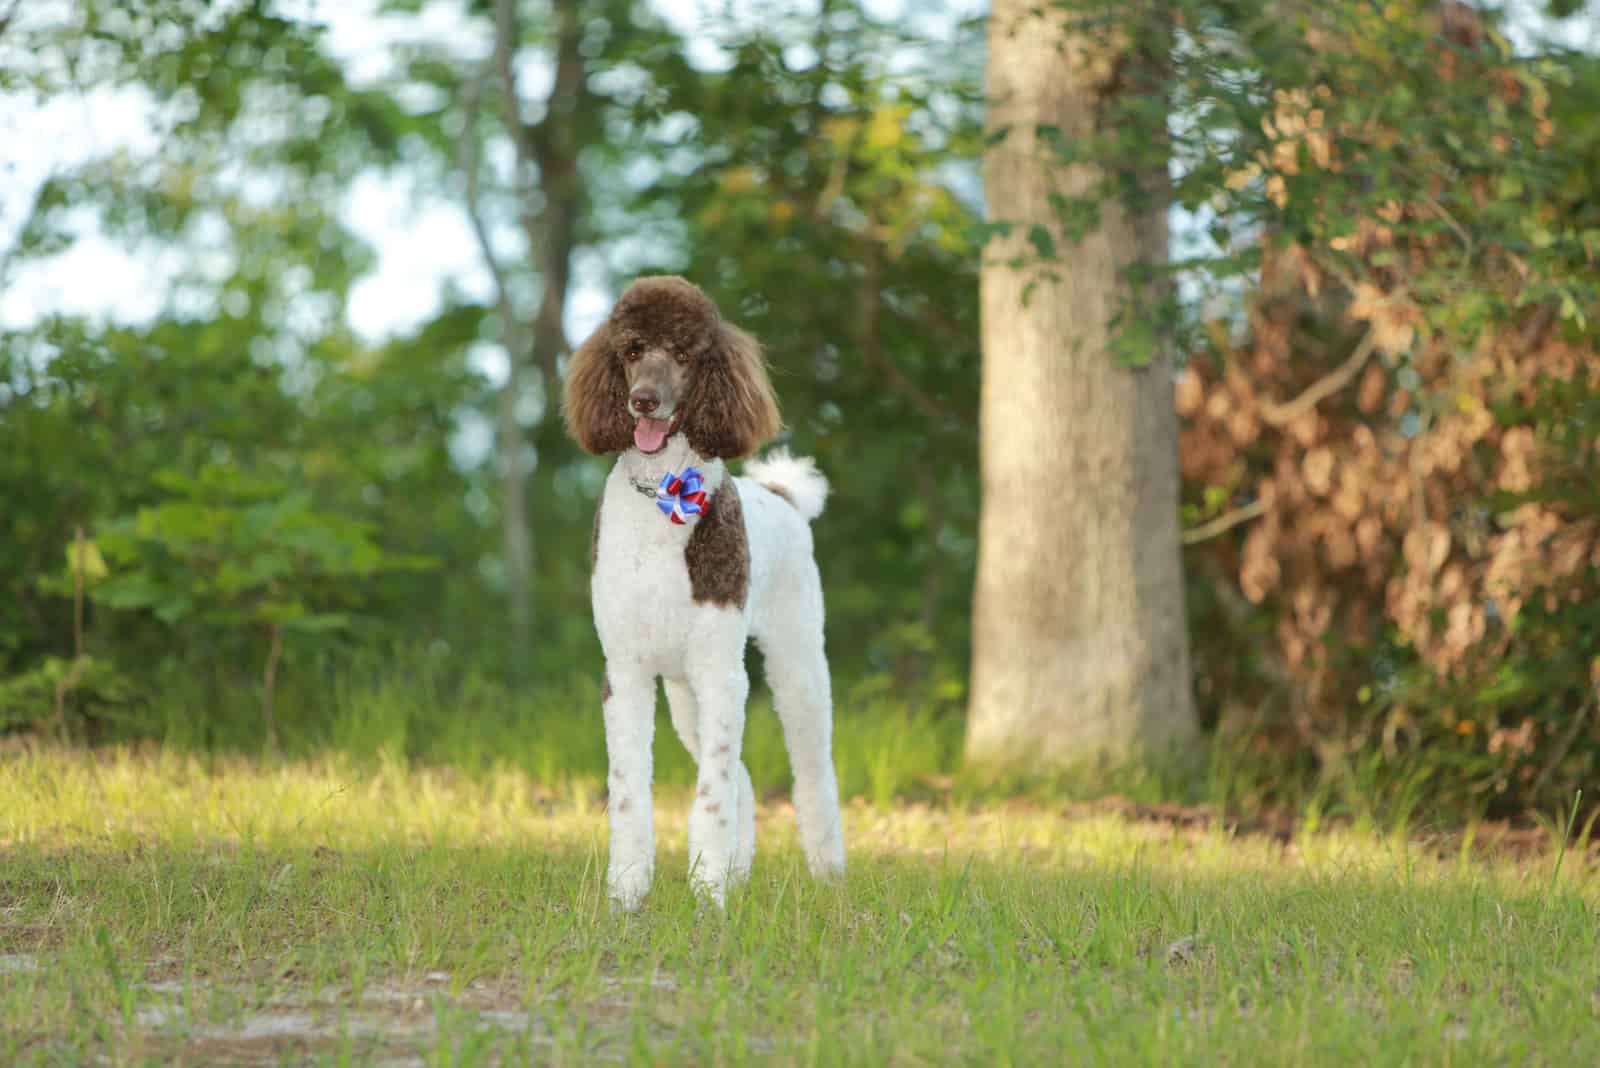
x: 720, y: 688
x: 630, y: 724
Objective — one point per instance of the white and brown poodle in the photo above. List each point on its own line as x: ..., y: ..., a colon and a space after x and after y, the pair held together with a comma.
x: 690, y: 562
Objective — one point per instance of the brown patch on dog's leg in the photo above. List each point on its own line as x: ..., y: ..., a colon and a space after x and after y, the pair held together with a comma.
x: 605, y: 688
x: 718, y: 553
x: 594, y: 540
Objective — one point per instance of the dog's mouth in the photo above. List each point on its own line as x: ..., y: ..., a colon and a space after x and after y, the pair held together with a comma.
x: 650, y: 435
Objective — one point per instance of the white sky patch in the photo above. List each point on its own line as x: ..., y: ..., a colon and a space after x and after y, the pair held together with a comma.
x: 1527, y: 26
x: 95, y: 276
x: 422, y: 242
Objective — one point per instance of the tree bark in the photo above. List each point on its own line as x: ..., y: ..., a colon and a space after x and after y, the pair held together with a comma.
x: 546, y: 174
x: 554, y: 145
x: 269, y: 685
x: 1080, y: 649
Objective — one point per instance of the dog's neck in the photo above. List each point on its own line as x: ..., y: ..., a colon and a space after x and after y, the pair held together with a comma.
x: 646, y: 471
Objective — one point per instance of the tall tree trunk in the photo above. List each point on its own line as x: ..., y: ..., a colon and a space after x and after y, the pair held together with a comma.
x: 516, y: 532
x: 549, y: 206
x: 1080, y: 652
x: 554, y: 146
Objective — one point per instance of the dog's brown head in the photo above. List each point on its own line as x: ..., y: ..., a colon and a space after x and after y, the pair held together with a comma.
x: 664, y: 363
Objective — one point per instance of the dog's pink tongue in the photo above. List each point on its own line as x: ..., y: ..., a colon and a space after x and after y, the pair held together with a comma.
x: 650, y: 434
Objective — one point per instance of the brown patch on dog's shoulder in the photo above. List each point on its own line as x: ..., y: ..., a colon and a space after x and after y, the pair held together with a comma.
x: 718, y: 553
x: 779, y: 491
x: 594, y: 541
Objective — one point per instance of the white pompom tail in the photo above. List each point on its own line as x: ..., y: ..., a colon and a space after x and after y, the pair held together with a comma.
x: 793, y: 477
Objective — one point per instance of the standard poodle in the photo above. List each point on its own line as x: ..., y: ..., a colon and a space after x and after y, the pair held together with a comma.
x: 689, y: 562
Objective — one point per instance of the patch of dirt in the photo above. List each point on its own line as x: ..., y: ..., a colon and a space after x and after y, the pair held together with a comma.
x: 13, y: 963
x: 386, y: 1024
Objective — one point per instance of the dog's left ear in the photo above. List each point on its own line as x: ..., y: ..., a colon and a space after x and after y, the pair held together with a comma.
x: 731, y: 411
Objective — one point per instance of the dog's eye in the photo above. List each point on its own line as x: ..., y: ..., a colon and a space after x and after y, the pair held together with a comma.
x: 681, y: 356
x: 633, y: 351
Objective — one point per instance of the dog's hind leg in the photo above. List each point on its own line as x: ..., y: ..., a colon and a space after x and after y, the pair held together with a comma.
x: 797, y: 671
x: 686, y: 721
x: 685, y: 715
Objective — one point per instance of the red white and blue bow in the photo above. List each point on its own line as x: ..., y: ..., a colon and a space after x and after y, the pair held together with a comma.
x: 680, y: 496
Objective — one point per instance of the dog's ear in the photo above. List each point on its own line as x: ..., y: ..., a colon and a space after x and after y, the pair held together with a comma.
x: 596, y: 401
x: 730, y: 411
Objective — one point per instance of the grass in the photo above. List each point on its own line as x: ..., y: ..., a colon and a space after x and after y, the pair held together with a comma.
x: 422, y: 709
x: 167, y: 909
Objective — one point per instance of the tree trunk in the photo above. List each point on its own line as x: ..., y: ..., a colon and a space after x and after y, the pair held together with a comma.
x: 516, y: 533
x: 547, y: 174
x: 555, y: 149
x: 1080, y: 653
x: 269, y: 686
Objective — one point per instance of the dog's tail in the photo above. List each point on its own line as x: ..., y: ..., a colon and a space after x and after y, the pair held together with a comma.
x: 794, y: 478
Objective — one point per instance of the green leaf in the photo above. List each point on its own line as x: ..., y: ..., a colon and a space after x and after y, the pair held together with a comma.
x: 317, y: 623
x: 129, y: 591
x: 1040, y: 238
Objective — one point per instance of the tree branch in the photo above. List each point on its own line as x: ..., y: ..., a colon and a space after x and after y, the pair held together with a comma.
x: 548, y: 150
x: 506, y: 36
x: 556, y: 142
x: 1533, y: 332
x: 1224, y: 523
x: 516, y: 535
x: 1333, y: 382
x: 1564, y: 746
x: 470, y: 161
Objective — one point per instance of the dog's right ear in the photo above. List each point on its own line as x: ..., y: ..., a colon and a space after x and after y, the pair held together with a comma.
x: 596, y: 401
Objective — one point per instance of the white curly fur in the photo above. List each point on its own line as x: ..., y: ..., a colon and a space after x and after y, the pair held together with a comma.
x: 796, y: 475
x: 650, y: 626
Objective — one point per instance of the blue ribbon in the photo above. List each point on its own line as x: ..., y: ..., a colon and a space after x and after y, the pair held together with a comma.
x: 681, y: 496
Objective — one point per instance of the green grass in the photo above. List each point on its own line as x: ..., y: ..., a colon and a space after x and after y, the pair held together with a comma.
x: 420, y: 709
x: 161, y: 909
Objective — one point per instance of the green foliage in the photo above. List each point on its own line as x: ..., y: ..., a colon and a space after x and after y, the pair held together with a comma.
x: 225, y: 549
x: 95, y: 687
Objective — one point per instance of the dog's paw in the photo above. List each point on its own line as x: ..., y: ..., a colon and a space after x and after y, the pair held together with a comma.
x: 710, y: 893
x: 827, y: 862
x: 627, y: 889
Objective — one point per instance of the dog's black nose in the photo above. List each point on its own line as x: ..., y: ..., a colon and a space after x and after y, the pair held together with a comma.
x: 645, y: 400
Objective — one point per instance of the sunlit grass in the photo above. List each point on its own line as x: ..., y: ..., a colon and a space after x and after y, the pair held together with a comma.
x: 157, y: 908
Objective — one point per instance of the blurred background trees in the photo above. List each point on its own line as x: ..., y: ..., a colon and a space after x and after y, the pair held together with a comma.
x: 1381, y: 288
